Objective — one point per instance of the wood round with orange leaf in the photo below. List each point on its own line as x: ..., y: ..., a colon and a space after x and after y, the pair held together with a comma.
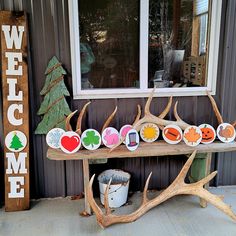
x: 192, y: 136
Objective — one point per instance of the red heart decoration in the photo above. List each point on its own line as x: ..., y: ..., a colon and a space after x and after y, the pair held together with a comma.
x: 70, y: 143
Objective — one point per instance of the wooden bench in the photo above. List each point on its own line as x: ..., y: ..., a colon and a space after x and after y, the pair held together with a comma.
x: 199, y: 169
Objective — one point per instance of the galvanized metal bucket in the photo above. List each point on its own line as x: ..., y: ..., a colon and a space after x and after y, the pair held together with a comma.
x: 118, y: 191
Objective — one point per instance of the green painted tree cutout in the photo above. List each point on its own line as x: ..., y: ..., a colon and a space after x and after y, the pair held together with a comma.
x: 16, y: 143
x: 91, y: 139
x: 54, y: 107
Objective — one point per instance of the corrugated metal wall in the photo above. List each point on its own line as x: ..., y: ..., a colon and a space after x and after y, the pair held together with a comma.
x: 49, y: 35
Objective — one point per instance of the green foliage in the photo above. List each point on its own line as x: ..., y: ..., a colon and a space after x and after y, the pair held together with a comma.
x: 91, y: 139
x: 16, y: 143
x: 54, y: 107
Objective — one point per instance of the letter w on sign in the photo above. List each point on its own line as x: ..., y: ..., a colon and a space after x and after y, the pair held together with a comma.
x: 15, y: 109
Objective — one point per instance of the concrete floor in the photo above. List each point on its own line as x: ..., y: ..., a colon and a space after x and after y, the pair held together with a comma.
x: 180, y: 216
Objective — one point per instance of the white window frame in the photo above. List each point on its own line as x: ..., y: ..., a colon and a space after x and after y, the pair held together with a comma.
x: 144, y: 91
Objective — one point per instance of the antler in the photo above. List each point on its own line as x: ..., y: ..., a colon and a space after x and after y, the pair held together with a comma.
x: 167, y: 109
x: 217, y: 112
x: 178, y: 187
x: 148, y: 117
x: 68, y: 126
x: 79, y: 120
x: 215, y: 109
x: 109, y: 119
x: 138, y: 114
x: 234, y: 123
x: 159, y: 121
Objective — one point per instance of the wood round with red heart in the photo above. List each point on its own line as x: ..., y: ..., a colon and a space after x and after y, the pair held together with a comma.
x: 70, y: 142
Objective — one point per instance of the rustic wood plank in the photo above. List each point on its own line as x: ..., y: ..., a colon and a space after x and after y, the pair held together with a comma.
x: 14, y: 83
x: 159, y: 148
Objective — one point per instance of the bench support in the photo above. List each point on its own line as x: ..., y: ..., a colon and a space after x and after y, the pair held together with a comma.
x: 200, y: 169
x: 86, y: 182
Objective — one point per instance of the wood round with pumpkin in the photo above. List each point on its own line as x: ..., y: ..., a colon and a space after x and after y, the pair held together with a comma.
x: 208, y: 133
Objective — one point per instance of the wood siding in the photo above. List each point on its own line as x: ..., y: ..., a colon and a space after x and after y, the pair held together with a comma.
x: 49, y: 35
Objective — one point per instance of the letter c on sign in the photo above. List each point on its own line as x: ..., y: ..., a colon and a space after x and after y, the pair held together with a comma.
x: 11, y: 114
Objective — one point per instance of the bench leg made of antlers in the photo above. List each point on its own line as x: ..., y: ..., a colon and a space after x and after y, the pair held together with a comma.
x: 178, y: 187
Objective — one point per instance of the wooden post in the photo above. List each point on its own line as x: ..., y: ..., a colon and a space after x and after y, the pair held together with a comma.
x: 195, y: 37
x: 176, y: 21
x: 201, y: 168
x: 15, y: 109
x: 86, y: 182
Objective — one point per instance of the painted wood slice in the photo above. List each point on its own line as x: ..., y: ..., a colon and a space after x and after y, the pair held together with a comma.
x: 226, y: 133
x: 192, y: 136
x: 53, y: 137
x: 208, y: 133
x: 132, y: 140
x: 70, y: 142
x: 110, y: 137
x: 172, y: 134
x: 124, y: 130
x: 91, y: 139
x: 16, y: 141
x: 149, y: 132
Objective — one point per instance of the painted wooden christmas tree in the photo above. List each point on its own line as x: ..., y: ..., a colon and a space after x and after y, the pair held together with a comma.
x: 54, y: 107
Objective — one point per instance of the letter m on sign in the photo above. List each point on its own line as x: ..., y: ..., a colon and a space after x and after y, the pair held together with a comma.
x: 14, y: 71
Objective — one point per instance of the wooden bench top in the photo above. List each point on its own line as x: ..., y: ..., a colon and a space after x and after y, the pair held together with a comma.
x: 159, y: 148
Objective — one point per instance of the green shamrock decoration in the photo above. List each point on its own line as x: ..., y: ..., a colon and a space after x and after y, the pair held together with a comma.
x: 91, y: 139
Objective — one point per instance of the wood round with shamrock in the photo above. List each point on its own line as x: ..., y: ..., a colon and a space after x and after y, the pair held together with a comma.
x: 91, y: 139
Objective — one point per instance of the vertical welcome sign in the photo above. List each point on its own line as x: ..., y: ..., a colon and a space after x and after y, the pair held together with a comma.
x: 15, y: 109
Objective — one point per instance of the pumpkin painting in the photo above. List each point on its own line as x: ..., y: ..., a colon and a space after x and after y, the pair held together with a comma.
x: 208, y: 133
x: 172, y: 134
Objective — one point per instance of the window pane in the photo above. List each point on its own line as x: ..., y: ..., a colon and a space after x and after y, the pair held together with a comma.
x: 109, y: 43
x: 178, y: 43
